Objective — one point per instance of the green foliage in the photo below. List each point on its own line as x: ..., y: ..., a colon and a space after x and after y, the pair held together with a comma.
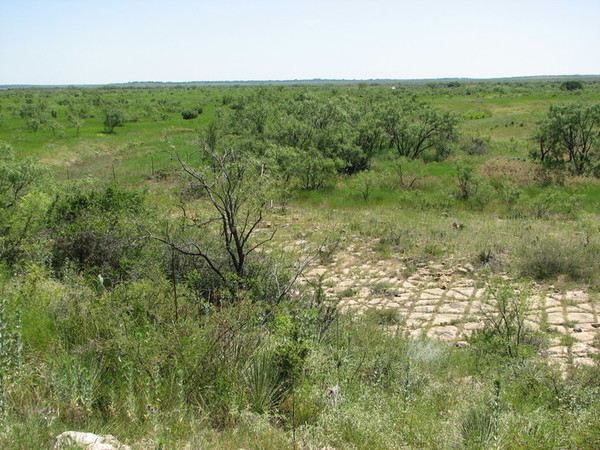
x: 188, y: 114
x: 23, y: 205
x: 547, y: 204
x: 546, y: 258
x: 253, y: 374
x: 480, y: 425
x: 414, y: 128
x: 96, y: 230
x: 504, y: 311
x: 134, y: 338
x: 16, y: 176
x: 475, y: 115
x: 467, y: 180
x: 571, y: 85
x: 313, y: 170
x: 11, y: 354
x: 112, y: 119
x: 110, y: 202
x: 568, y: 137
x: 476, y: 145
x: 264, y: 382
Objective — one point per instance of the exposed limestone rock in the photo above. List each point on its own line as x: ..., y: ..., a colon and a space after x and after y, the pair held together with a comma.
x: 88, y: 441
x: 443, y: 301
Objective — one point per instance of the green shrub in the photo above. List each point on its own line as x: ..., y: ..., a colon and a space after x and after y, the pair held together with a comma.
x: 549, y: 257
x: 505, y: 307
x: 96, y: 230
x: 23, y: 203
x: 264, y: 382
x: 312, y: 170
x: 188, y: 114
x: 480, y: 425
x: 112, y: 119
x: 547, y: 204
x: 475, y: 115
x: 476, y: 145
x: 467, y: 180
x: 571, y: 85
x: 386, y: 317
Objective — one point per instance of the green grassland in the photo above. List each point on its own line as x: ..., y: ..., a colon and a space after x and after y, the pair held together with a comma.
x: 112, y: 320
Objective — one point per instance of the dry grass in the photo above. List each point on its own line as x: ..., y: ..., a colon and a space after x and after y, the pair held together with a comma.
x: 520, y: 172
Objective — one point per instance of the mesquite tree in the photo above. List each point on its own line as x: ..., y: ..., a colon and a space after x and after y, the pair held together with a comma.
x: 414, y: 128
x: 236, y: 192
x: 17, y: 177
x: 569, y: 137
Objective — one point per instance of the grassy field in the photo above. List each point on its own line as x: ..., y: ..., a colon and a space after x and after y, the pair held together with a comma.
x: 125, y: 308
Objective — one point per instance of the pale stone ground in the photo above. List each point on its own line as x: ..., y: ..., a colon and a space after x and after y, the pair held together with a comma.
x: 445, y: 300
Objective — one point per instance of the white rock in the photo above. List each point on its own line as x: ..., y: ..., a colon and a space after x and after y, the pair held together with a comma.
x: 89, y: 441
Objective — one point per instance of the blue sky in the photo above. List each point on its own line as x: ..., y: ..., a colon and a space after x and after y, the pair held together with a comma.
x: 88, y: 41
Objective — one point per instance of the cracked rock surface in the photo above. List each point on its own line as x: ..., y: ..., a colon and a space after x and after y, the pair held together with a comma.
x: 445, y: 300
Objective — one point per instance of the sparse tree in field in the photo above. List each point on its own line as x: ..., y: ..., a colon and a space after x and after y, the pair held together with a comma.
x: 56, y: 127
x: 224, y: 229
x: 413, y: 128
x: 79, y: 108
x: 569, y: 137
x: 467, y: 181
x: 76, y: 122
x: 34, y: 124
x: 113, y: 119
x: 237, y: 190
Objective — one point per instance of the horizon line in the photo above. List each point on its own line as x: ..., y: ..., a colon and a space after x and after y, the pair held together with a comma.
x: 303, y: 80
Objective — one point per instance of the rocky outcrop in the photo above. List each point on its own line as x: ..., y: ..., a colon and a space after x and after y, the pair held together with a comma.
x: 88, y: 441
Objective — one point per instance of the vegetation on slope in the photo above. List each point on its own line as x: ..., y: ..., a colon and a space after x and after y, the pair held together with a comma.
x: 146, y: 291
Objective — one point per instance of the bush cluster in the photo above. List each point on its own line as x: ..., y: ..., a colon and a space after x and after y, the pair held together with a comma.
x: 191, y: 113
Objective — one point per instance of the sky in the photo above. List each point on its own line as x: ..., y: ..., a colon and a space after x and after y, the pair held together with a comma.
x: 111, y: 41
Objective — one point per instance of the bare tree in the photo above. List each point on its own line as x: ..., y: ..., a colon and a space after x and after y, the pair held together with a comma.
x: 237, y: 191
